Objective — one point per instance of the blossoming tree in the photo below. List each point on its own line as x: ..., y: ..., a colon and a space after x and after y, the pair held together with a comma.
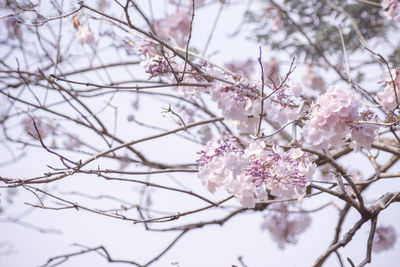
x: 173, y: 117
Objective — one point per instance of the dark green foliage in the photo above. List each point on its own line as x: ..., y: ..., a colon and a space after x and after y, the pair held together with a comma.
x: 319, y: 21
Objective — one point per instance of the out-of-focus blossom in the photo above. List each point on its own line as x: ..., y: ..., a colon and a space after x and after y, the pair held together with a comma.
x: 313, y: 80
x: 384, y: 238
x: 274, y: 17
x: 84, y: 35
x: 72, y: 142
x: 391, y: 9
x: 103, y: 5
x: 387, y: 97
x: 44, y: 128
x: 176, y: 25
x: 284, y: 226
x: 331, y: 119
x: 13, y: 28
x: 295, y: 88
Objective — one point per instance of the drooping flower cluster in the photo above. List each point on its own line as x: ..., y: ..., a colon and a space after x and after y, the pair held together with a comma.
x: 387, y: 98
x: 284, y: 226
x: 384, y: 238
x: 252, y: 173
x: 331, y: 119
x: 391, y: 9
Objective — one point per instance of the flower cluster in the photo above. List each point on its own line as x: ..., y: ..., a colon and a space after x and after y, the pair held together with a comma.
x: 391, y: 9
x: 221, y: 166
x: 284, y: 226
x: 282, y: 173
x: 330, y: 121
x: 387, y: 98
x: 384, y: 239
x: 252, y: 173
x: 156, y: 66
x: 239, y: 103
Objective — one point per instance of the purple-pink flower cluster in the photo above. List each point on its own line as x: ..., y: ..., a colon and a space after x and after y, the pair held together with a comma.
x: 157, y: 66
x: 331, y: 121
x: 252, y: 173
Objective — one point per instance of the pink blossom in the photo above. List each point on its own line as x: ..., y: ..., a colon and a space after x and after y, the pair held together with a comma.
x: 387, y: 97
x: 384, y: 238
